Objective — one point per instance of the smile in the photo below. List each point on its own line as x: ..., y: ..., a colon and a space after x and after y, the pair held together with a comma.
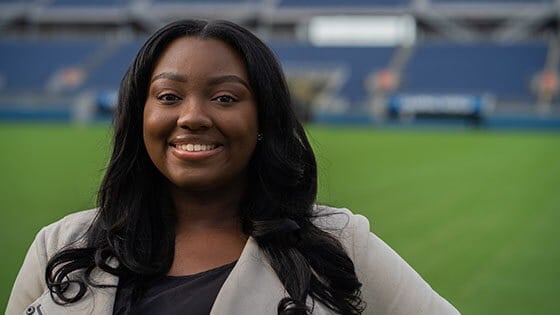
x: 195, y: 151
x: 190, y: 147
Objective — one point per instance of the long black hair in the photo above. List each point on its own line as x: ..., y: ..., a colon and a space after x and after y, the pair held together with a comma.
x: 135, y: 221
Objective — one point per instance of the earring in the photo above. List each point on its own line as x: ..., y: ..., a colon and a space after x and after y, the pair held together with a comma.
x: 259, y: 137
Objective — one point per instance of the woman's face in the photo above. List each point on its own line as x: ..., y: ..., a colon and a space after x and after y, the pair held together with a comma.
x: 200, y: 117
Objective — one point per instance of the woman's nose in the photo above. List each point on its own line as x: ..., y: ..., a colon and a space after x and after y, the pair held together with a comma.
x: 194, y: 114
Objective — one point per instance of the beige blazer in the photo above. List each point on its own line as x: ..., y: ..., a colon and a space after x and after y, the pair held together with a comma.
x: 390, y: 285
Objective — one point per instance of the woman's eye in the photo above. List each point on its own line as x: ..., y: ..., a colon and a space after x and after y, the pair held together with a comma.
x: 225, y: 99
x: 168, y: 98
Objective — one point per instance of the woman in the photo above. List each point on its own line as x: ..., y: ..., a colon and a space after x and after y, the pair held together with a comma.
x: 207, y: 205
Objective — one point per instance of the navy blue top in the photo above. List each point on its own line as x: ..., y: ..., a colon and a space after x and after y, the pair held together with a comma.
x: 192, y: 294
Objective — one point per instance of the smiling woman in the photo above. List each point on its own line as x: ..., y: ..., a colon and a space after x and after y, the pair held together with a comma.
x: 207, y: 205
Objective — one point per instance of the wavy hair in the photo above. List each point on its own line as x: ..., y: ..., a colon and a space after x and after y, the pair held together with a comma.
x: 135, y: 221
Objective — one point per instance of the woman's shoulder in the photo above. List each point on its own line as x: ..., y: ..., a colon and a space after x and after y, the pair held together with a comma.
x: 66, y: 231
x: 78, y: 218
x: 389, y: 284
x: 338, y: 219
x: 350, y: 229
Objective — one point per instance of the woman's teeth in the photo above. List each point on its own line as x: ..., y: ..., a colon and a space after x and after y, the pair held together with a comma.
x: 195, y: 147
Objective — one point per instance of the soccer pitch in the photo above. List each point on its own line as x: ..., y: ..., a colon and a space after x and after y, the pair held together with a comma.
x: 474, y: 212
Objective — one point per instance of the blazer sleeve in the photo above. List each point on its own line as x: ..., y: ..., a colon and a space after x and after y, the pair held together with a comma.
x: 390, y: 285
x: 29, y: 284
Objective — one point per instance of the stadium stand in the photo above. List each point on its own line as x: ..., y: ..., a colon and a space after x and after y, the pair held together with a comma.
x: 88, y: 3
x: 108, y: 74
x: 62, y: 49
x: 342, y: 3
x: 29, y: 65
x: 14, y: 1
x: 503, y: 70
x: 492, y: 1
x: 208, y: 2
x: 358, y: 63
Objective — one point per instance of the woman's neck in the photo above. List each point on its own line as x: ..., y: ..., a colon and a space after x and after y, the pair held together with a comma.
x: 207, y: 209
x: 208, y: 231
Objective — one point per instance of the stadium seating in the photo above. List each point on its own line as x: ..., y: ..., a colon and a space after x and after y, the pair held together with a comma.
x: 342, y: 3
x: 503, y: 70
x: 108, y: 74
x: 88, y: 3
x: 492, y: 1
x: 13, y: 1
x: 465, y: 50
x: 28, y: 65
x: 358, y: 61
x: 208, y: 2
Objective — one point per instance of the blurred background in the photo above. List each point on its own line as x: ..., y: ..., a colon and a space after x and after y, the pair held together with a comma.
x: 437, y: 119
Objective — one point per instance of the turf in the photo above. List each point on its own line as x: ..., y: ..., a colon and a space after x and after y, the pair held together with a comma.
x: 474, y: 212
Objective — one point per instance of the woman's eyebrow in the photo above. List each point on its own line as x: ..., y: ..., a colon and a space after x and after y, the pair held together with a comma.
x: 170, y: 76
x: 228, y: 78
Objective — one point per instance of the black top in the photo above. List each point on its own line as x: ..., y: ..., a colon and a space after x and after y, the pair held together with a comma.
x: 193, y: 294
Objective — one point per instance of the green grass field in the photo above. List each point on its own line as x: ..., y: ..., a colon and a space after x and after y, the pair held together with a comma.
x: 474, y: 212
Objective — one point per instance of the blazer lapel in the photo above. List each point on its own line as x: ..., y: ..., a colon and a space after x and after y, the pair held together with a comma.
x: 252, y: 286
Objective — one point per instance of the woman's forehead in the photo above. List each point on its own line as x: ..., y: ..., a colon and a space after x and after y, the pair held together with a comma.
x: 194, y: 55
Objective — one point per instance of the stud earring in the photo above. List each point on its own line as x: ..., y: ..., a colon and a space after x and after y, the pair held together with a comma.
x: 259, y: 137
